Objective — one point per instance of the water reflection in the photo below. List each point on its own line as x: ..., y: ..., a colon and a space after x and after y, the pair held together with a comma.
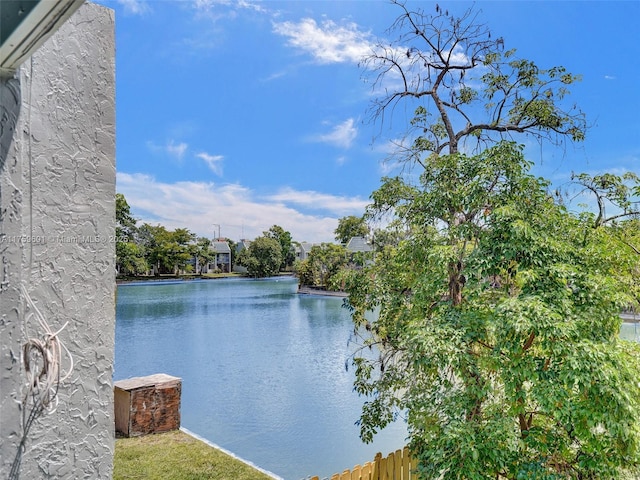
x: 262, y: 368
x: 630, y: 331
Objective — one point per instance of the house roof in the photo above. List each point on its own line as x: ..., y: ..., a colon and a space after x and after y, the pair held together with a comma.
x: 306, y: 246
x: 242, y: 245
x: 220, y: 247
x: 359, y: 244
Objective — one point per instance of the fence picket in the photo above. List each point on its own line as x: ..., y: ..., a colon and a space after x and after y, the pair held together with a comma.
x: 406, y: 464
x: 397, y: 465
x: 376, y: 467
x: 384, y: 475
x: 390, y: 466
x: 356, y: 473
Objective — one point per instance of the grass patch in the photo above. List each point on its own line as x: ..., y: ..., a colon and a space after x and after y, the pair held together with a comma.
x: 176, y: 456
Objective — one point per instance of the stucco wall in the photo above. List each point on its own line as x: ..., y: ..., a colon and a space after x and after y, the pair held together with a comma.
x: 57, y: 204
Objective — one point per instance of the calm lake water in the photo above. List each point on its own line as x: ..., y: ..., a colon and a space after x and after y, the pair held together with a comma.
x: 630, y: 331
x: 262, y: 368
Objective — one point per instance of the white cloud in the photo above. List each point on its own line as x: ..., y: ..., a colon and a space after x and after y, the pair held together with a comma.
x: 609, y: 77
x: 135, y: 7
x: 213, y: 162
x: 240, y: 212
x: 207, y: 4
x: 273, y: 76
x: 327, y: 43
x: 176, y: 150
x: 341, y: 206
x: 342, y: 135
x: 255, y: 6
x: 217, y: 9
x: 217, y: 14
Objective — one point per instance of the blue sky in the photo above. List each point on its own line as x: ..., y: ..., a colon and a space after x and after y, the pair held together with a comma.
x: 243, y: 114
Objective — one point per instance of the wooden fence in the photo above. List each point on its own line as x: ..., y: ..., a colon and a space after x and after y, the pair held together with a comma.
x: 396, y: 466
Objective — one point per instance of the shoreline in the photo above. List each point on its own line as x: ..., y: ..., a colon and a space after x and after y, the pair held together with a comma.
x: 230, y: 454
x: 185, y: 278
x: 305, y: 290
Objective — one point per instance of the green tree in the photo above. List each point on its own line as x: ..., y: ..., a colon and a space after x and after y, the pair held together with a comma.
x: 263, y: 257
x: 497, y: 317
x: 145, y: 239
x: 389, y: 236
x: 617, y: 198
x: 323, y: 263
x: 627, y: 238
x: 617, y: 192
x: 130, y: 259
x: 201, y: 251
x: 167, y: 250
x: 178, y: 253
x: 304, y: 273
x: 125, y: 223
x: 284, y: 239
x: 465, y: 87
x: 349, y: 227
x: 129, y: 255
x: 517, y: 371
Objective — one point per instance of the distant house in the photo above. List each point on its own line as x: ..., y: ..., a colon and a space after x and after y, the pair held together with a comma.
x: 360, y: 251
x: 195, y: 265
x: 359, y: 244
x: 303, y: 250
x: 243, y: 244
x: 222, y: 259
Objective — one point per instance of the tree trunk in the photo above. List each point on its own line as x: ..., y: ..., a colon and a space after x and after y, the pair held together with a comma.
x: 455, y: 282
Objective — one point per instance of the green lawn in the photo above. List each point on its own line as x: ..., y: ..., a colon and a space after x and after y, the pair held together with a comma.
x: 176, y: 456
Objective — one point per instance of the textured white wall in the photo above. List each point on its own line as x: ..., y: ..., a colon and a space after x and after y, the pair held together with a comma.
x: 57, y: 220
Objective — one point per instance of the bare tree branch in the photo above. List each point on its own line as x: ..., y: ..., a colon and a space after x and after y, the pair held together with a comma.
x: 454, y: 70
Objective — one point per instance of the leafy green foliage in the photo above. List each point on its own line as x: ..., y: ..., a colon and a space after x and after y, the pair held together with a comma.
x: 620, y: 192
x: 284, y: 238
x: 496, y: 316
x: 140, y: 248
x: 349, y: 227
x: 323, y: 263
x: 498, y: 330
x: 263, y: 257
x: 391, y: 235
x: 125, y: 223
x: 129, y: 255
x: 202, y: 252
x: 169, y: 251
x: 130, y: 259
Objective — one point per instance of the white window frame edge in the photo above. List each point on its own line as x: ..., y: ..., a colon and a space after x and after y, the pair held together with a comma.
x: 41, y: 22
